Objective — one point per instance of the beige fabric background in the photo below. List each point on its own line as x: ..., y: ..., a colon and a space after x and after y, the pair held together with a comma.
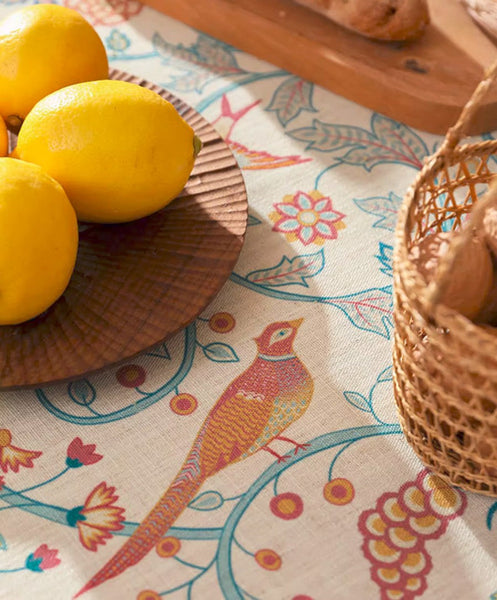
x: 296, y: 138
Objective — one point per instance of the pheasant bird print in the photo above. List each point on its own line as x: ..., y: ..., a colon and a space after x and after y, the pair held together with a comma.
x: 254, y: 410
x: 185, y: 472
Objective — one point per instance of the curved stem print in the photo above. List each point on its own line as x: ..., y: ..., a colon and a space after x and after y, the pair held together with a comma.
x: 14, y: 506
x: 139, y: 405
x: 245, y: 80
x: 323, y: 172
x: 356, y: 307
x: 2, y: 571
x: 226, y: 534
x: 247, y: 595
x: 58, y: 514
x: 126, y: 57
x: 490, y: 515
x: 335, y: 458
x: 39, y: 485
x: 329, y: 440
x: 188, y: 564
x: 191, y: 581
x: 371, y: 400
x: 242, y: 548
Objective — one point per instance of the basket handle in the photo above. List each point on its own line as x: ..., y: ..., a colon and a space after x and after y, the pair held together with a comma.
x: 438, y: 285
x: 436, y: 288
x: 457, y: 131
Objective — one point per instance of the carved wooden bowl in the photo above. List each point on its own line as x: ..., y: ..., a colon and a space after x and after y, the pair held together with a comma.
x: 137, y: 284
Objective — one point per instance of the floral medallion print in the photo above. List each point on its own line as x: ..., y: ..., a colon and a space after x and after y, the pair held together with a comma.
x: 308, y: 218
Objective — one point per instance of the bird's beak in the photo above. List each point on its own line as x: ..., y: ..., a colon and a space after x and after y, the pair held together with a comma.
x: 296, y: 323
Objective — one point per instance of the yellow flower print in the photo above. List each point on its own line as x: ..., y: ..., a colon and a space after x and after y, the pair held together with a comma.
x: 13, y: 457
x: 98, y: 517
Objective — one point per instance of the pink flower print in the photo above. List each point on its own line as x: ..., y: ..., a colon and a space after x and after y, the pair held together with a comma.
x: 79, y: 454
x: 42, y: 558
x: 308, y: 217
x: 2, y: 482
x: 106, y: 12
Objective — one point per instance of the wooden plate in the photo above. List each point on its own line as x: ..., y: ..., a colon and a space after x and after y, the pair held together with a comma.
x: 136, y: 284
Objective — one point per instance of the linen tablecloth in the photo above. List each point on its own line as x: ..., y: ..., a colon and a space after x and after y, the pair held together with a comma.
x: 340, y: 508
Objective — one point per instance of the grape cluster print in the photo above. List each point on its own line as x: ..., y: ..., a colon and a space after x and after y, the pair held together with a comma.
x: 396, y: 530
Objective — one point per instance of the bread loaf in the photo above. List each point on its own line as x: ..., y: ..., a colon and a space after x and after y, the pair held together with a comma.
x: 393, y: 20
x: 484, y: 12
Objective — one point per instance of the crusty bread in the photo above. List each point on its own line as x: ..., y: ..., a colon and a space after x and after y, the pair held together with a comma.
x: 484, y: 12
x: 379, y: 19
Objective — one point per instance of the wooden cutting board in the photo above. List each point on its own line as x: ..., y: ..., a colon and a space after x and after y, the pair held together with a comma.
x: 424, y: 84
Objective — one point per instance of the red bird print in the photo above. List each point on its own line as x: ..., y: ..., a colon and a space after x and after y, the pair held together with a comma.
x: 254, y: 410
x: 248, y: 158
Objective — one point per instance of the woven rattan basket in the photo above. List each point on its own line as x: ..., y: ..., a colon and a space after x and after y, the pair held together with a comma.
x: 445, y: 366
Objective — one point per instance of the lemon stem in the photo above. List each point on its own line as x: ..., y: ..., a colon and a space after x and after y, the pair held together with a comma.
x: 197, y: 145
x: 14, y: 123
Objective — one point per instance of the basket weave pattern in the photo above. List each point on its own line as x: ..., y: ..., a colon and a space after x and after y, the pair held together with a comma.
x: 445, y: 366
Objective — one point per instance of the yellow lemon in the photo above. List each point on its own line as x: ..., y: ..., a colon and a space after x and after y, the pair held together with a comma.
x: 38, y: 241
x: 4, y: 140
x: 43, y: 48
x: 119, y: 150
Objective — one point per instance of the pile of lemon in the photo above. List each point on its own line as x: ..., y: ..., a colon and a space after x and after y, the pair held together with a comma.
x: 88, y: 149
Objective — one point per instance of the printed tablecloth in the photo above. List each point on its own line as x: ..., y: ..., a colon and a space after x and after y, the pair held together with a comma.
x: 296, y: 345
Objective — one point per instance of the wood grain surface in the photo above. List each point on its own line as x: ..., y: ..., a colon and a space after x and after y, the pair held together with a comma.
x: 424, y: 84
x: 137, y: 284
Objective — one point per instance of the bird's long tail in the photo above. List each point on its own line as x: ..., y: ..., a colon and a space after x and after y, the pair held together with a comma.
x: 153, y: 527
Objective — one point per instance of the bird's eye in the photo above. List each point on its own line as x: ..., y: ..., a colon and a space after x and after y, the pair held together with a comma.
x: 280, y: 334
